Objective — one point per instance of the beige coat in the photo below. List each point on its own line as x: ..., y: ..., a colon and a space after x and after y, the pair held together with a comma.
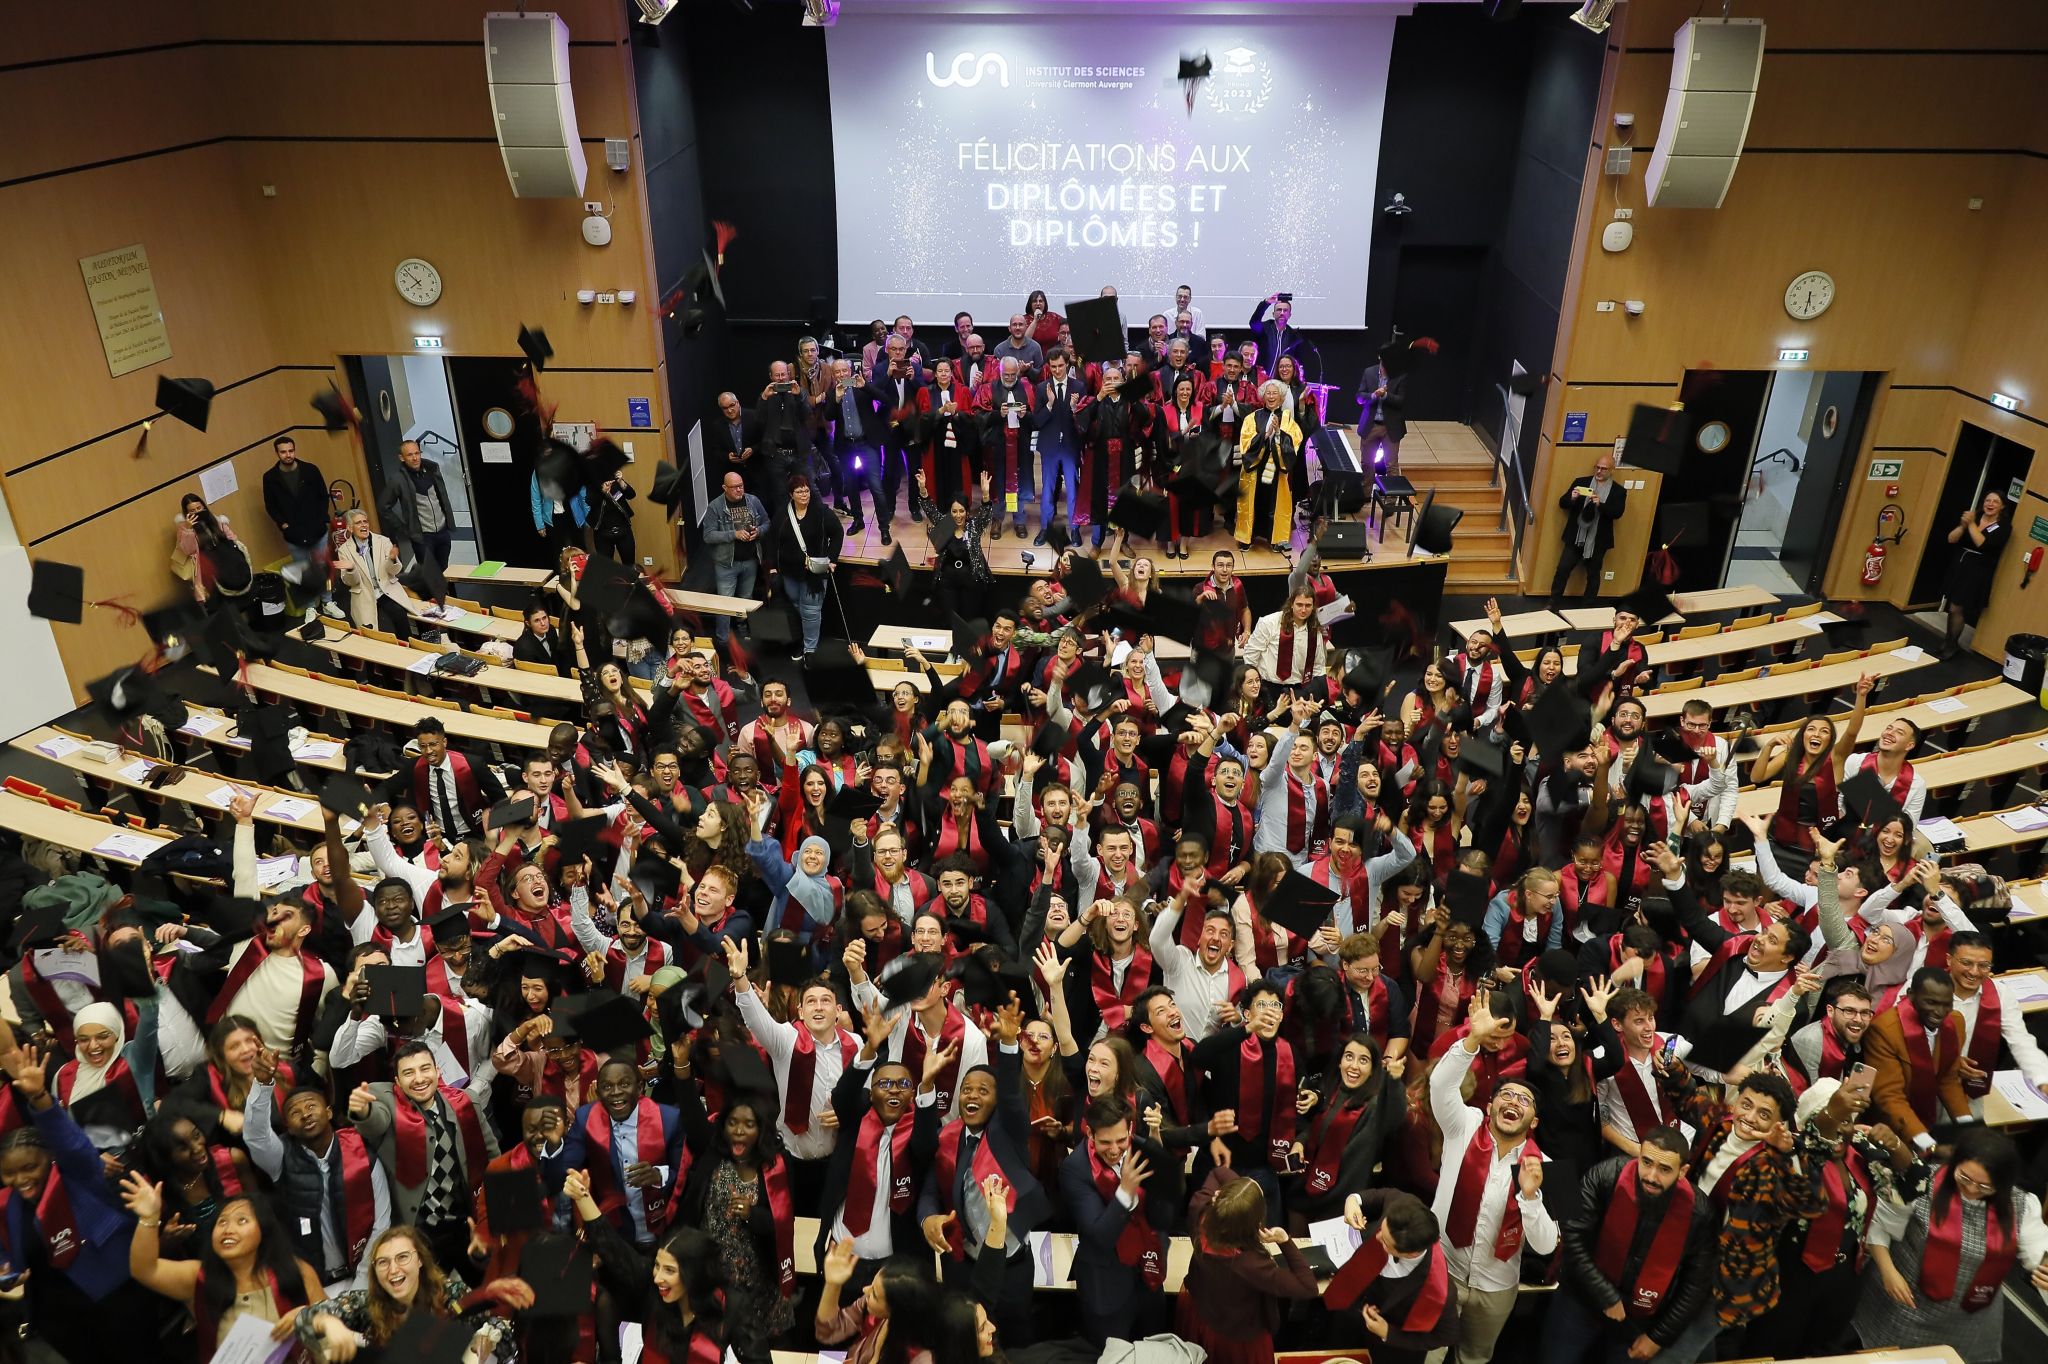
x: 364, y: 580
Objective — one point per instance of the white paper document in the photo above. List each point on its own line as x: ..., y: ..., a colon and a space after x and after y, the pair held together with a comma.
x: 2024, y: 820
x: 1338, y: 1238
x: 1939, y: 830
x: 317, y: 750
x: 2023, y: 990
x: 290, y: 807
x: 54, y: 963
x: 248, y: 1342
x: 224, y: 796
x: 1948, y: 705
x: 2012, y: 1086
x: 136, y: 772
x: 126, y: 847
x: 59, y: 746
x: 201, y: 723
x: 1911, y: 653
x: 423, y: 665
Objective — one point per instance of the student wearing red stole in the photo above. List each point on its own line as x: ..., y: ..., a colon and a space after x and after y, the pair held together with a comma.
x: 1832, y: 1045
x: 808, y: 1055
x: 1489, y: 1187
x: 245, y: 1267
x: 58, y: 1216
x: 634, y: 1179
x: 1641, y: 1095
x: 1638, y: 1258
x: 1990, y: 1018
x: 271, y: 978
x: 1248, y: 1071
x: 675, y: 1292
x: 886, y: 1139
x: 1809, y: 773
x: 330, y: 1193
x: 96, y: 1087
x: 1111, y: 963
x: 1339, y: 1141
x: 929, y: 1026
x: 1942, y: 1260
x: 1123, y: 1194
x: 433, y: 1145
x: 1232, y: 1300
x: 1916, y: 1048
x: 1394, y: 1294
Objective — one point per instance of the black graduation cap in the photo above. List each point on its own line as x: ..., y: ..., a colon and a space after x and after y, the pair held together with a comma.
x: 177, y: 628
x: 232, y: 917
x: 575, y: 837
x: 1465, y: 897
x: 345, y: 795
x: 1058, y: 537
x: 396, y: 991
x: 512, y: 1200
x: 789, y: 961
x: 38, y: 927
x: 425, y: 1338
x: 1515, y: 721
x: 623, y: 600
x: 1649, y: 779
x: 1299, y: 904
x: 941, y: 530
x: 267, y: 726
x: 1844, y: 630
x: 1868, y: 800
x: 128, y: 692
x: 557, y: 1267
x: 533, y: 344
x: 895, y: 572
x: 56, y: 591
x: 1560, y: 721
x: 743, y: 1066
x: 450, y: 925
x: 602, y: 461
x: 1649, y: 603
x: 1670, y: 745
x: 906, y: 980
x: 1204, y: 475
x: 1084, y: 584
x: 1724, y: 1042
x: 1433, y: 527
x: 1214, y: 667
x: 560, y: 472
x: 656, y: 878
x: 611, y: 1023
x: 1140, y: 513
x: 668, y: 484
x: 1194, y: 68
x: 425, y: 578
x: 1089, y: 683
x: 335, y: 411
x: 1682, y: 523
x: 1396, y: 355
x: 1098, y: 331
x: 1049, y: 739
x: 189, y: 400
x: 1369, y: 673
x: 1482, y: 759
x: 851, y: 802
x: 510, y: 814
x: 991, y: 986
x: 1362, y: 629
x: 1657, y: 438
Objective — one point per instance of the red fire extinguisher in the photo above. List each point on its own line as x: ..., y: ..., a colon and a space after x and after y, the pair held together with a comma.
x: 1873, y: 563
x: 1873, y: 558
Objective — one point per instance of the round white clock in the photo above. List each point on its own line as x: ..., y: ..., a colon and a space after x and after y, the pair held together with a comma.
x: 1808, y: 296
x: 1712, y: 438
x: 418, y: 282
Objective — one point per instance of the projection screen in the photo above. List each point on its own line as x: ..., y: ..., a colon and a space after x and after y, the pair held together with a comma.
x: 978, y: 157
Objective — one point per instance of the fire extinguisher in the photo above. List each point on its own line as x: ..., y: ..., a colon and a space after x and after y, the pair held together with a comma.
x: 1873, y: 558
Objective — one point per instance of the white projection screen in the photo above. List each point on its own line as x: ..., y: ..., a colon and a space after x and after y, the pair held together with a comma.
x: 978, y: 157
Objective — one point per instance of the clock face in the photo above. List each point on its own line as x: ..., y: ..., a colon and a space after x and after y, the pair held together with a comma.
x: 1712, y: 438
x: 418, y: 282
x: 1808, y: 296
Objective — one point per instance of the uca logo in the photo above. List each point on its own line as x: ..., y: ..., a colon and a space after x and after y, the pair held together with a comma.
x: 967, y: 69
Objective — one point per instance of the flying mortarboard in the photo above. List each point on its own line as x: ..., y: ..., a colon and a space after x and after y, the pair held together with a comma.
x: 906, y: 980
x: 895, y: 572
x: 533, y: 344
x: 189, y: 400
x: 1097, y: 330
x: 1868, y: 800
x: 426, y: 1338
x: 558, y: 1269
x: 1657, y: 438
x: 1649, y: 604
x: 789, y: 961
x: 744, y: 1068
x: 1648, y: 779
x: 668, y: 484
x: 336, y: 413
x: 602, y: 460
x: 1465, y: 897
x: 345, y: 795
x: 1433, y: 527
x: 1482, y: 759
x: 1368, y: 674
x: 559, y: 471
x: 512, y: 1201
x: 612, y: 1022
x: 1140, y: 513
x: 575, y: 837
x: 38, y: 926
x: 396, y: 991
x: 852, y: 802
x: 623, y: 600
x: 1089, y: 684
x: 1670, y: 745
x: 991, y: 986
x: 656, y: 879
x: 1299, y: 904
x: 128, y: 692
x: 1724, y: 1042
x: 511, y: 813
x: 1085, y: 585
x: 1560, y: 721
x: 56, y: 591
x: 1058, y: 537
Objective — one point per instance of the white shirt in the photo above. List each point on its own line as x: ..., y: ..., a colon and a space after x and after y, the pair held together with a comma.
x: 270, y: 996
x: 1475, y: 1266
x: 779, y: 1041
x: 1614, y: 1112
x: 2012, y: 1026
x: 452, y: 820
x: 877, y: 1243
x: 973, y: 1044
x: 1196, y: 989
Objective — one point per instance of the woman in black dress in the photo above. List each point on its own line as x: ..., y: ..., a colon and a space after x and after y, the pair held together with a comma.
x: 1982, y: 534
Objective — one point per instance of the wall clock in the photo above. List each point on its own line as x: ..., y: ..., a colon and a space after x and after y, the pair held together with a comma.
x: 498, y: 423
x: 1810, y: 294
x: 419, y: 283
x: 1712, y: 438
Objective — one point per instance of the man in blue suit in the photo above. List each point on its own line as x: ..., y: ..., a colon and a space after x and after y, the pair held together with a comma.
x: 634, y: 1176
x: 90, y: 1249
x: 1059, y: 429
x: 894, y: 386
x: 1117, y: 1275
x: 991, y: 1137
x: 1275, y: 338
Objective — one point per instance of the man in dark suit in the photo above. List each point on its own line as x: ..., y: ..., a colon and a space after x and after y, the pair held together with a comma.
x: 450, y: 788
x: 1123, y: 1194
x: 1053, y: 417
x: 852, y: 423
x: 732, y: 440
x: 1275, y: 337
x: 1595, y: 504
x: 872, y: 1100
x: 540, y: 642
x: 894, y: 387
x: 785, y: 434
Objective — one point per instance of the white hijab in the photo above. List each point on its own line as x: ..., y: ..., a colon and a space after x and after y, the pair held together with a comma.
x: 91, y: 1079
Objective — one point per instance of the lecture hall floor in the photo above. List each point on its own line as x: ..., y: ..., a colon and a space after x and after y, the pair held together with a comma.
x: 1446, y: 456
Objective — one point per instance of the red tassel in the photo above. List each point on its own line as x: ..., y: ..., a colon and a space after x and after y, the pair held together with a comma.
x: 528, y: 389
x: 725, y: 233
x: 1428, y: 345
x: 128, y: 615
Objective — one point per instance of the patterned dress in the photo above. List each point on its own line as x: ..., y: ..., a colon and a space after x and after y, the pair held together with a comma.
x: 1976, y: 1336
x: 756, y: 1312
x: 1757, y: 1198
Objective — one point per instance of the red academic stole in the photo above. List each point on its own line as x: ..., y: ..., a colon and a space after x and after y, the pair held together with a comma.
x: 1824, y: 1236
x: 1253, y: 1096
x: 1301, y: 837
x: 803, y: 1072
x: 119, y: 1079
x: 383, y: 938
x: 950, y: 1034
x: 1286, y: 654
x: 409, y: 1133
x: 1653, y: 968
x: 52, y: 1216
x: 1645, y: 1104
x: 1667, y: 1247
x: 615, y: 962
x: 1113, y: 1004
x: 1138, y: 1244
x: 984, y: 1165
x: 1921, y: 1088
x: 1514, y: 943
x: 867, y: 1153
x: 1479, y: 682
x: 1376, y: 1007
x: 1364, y: 1267
x: 1786, y: 826
x: 775, y: 1179
x: 956, y: 835
x: 357, y: 1195
x: 313, y: 976
x: 1471, y: 1187
x: 652, y: 1149
x: 1572, y: 894
x: 1329, y: 1136
x: 1728, y: 951
x: 713, y: 708
x: 1832, y: 1058
x: 1940, y: 1258
x: 1167, y: 1064
x: 1983, y: 1046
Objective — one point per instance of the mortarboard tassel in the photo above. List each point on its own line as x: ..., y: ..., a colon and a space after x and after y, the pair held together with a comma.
x: 1428, y: 345
x: 724, y: 232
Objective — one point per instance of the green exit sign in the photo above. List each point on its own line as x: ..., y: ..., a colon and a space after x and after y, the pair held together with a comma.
x: 1886, y: 470
x: 2041, y: 529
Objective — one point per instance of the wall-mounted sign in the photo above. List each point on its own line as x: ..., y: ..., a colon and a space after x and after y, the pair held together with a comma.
x: 1574, y: 426
x: 2041, y: 529
x: 640, y: 412
x: 123, y: 296
x: 1885, y: 470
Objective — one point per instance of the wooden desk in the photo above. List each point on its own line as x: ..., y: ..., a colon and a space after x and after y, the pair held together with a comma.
x: 932, y: 641
x: 2029, y: 900
x: 510, y: 574
x: 2039, y: 973
x: 215, y: 727
x: 1780, y: 685
x: 1988, y: 833
x: 299, y: 813
x: 1687, y: 604
x: 712, y: 604
x: 467, y: 620
x: 406, y: 659
x: 75, y: 830
x: 1517, y: 627
x: 1766, y: 636
x: 2013, y: 756
x: 397, y: 712
x: 885, y: 677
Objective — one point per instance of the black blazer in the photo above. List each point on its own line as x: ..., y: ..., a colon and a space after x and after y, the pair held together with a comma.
x: 1612, y: 510
x: 850, y: 1102
x: 1105, y: 1284
x: 718, y: 447
x: 1009, y: 1136
x: 555, y: 651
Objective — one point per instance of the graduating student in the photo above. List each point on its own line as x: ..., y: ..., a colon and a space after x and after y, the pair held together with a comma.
x: 1123, y: 1194
x: 433, y: 1145
x: 1394, y: 1294
x: 886, y: 1141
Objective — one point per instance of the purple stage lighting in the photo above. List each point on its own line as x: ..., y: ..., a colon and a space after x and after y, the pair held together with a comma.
x: 1379, y: 455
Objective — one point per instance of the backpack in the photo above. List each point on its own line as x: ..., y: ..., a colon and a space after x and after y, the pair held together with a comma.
x: 1981, y: 895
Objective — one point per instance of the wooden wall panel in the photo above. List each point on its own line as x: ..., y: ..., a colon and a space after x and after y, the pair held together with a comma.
x: 1991, y: 25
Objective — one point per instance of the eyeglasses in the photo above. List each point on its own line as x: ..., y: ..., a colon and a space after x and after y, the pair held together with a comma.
x: 1980, y: 1185
x: 1853, y: 1013
x: 893, y: 1083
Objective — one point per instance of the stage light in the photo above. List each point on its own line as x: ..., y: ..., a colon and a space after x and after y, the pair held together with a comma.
x: 821, y: 13
x: 1593, y: 15
x: 654, y: 11
x: 1379, y: 455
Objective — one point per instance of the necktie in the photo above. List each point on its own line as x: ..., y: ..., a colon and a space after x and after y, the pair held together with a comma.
x: 1059, y: 393
x: 446, y: 801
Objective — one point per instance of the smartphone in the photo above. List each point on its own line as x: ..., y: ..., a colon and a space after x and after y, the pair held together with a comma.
x: 1286, y: 298
x: 1671, y: 1047
x: 1863, y: 1067
x: 785, y: 387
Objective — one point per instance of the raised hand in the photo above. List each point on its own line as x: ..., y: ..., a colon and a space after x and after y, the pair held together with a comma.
x: 839, y: 1263
x: 935, y: 1062
x: 360, y: 1100
x: 1052, y: 968
x: 1135, y: 1173
x: 142, y: 1197
x: 1530, y: 1176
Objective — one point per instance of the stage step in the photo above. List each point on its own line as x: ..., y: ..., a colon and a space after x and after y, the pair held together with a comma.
x: 1438, y: 475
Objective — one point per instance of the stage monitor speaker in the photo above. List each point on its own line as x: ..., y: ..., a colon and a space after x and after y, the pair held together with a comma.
x: 526, y: 60
x: 1715, y: 67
